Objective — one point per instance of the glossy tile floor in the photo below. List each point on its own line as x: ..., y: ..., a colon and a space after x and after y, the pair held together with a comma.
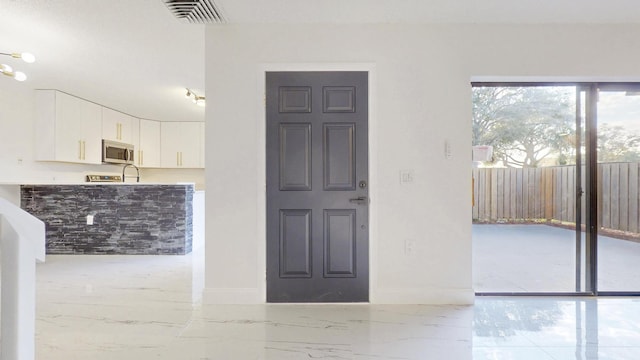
x: 149, y: 307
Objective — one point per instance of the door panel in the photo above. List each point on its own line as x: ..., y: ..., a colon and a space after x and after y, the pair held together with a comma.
x: 339, y: 161
x: 339, y: 99
x: 295, y: 241
x: 317, y: 218
x: 295, y: 99
x: 339, y: 243
x: 295, y: 156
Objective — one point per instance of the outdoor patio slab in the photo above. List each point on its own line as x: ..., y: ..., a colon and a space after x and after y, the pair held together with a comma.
x: 542, y: 258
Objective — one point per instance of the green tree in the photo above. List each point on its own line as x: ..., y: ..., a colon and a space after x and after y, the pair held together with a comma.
x: 617, y: 144
x: 524, y: 124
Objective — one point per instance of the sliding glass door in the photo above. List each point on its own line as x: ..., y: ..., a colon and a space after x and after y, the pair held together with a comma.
x: 618, y: 154
x: 556, y: 188
x: 527, y: 188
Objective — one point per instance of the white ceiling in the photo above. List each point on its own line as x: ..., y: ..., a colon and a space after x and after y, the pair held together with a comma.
x: 134, y: 56
x: 438, y: 11
x: 130, y: 55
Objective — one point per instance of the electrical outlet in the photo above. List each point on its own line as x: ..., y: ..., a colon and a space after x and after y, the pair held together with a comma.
x: 89, y: 219
x: 409, y: 246
x: 406, y: 176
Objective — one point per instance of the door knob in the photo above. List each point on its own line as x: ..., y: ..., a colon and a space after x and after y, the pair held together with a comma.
x: 360, y: 200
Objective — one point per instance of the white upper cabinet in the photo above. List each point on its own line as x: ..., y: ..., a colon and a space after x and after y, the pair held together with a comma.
x: 71, y: 129
x: 181, y: 144
x: 117, y: 126
x: 67, y: 128
x: 202, y: 147
x: 149, y: 150
x: 135, y: 135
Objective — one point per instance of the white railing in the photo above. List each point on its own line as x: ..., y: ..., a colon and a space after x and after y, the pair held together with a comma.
x: 22, y: 241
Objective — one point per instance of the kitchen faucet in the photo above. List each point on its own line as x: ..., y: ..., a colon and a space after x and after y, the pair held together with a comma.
x: 137, y: 171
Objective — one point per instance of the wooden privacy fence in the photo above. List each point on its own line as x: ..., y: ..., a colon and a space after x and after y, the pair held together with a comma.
x: 549, y: 193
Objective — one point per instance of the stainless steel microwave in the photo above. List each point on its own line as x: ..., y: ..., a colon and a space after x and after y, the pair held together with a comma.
x: 117, y: 153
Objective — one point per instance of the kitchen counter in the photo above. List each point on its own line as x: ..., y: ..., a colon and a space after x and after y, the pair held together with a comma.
x: 113, y: 218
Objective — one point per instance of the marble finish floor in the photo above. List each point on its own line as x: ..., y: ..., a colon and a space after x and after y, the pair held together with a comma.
x: 149, y: 307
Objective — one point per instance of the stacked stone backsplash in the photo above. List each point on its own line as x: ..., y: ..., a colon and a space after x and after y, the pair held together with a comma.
x: 127, y: 219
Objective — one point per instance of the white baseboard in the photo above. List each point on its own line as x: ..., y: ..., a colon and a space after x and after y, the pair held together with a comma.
x: 429, y: 296
x: 233, y: 296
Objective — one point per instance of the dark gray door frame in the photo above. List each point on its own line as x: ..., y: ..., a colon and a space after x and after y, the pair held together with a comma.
x: 591, y: 142
x: 579, y: 190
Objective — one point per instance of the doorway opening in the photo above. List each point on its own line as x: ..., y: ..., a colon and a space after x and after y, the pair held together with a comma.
x: 555, y: 188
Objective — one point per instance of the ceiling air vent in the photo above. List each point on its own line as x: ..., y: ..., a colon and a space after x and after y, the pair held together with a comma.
x: 195, y: 11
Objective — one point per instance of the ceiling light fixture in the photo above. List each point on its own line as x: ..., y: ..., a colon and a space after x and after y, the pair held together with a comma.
x: 195, y: 98
x: 18, y: 75
x: 26, y: 57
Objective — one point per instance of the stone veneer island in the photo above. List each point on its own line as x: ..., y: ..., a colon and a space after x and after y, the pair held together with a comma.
x: 131, y: 219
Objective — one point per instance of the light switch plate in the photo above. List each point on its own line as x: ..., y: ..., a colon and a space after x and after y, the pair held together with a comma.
x: 447, y: 149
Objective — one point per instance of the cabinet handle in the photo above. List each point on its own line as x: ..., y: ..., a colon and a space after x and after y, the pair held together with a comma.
x: 84, y: 150
x: 177, y: 158
x: 79, y: 149
x: 180, y: 158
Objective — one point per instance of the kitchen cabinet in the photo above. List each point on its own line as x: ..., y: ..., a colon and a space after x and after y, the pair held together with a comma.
x: 181, y: 144
x: 202, y: 152
x: 148, y: 152
x: 135, y: 136
x: 117, y: 126
x: 67, y: 128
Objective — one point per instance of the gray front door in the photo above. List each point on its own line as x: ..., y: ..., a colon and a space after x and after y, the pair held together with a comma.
x: 317, y: 187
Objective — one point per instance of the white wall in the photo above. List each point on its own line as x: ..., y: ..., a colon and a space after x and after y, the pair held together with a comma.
x: 420, y: 99
x: 195, y: 176
x: 10, y: 193
x: 17, y: 150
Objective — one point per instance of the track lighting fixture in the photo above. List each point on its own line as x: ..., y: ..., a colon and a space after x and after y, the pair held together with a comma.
x: 8, y: 71
x: 26, y: 57
x: 195, y: 98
